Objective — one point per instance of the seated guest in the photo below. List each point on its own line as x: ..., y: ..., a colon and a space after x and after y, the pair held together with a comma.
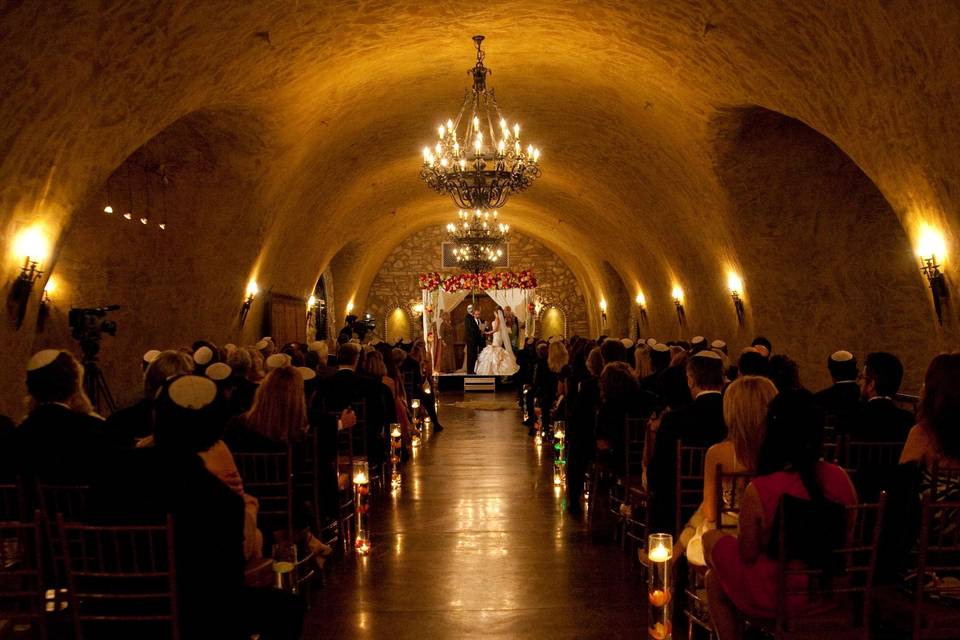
x: 542, y: 390
x: 659, y: 361
x: 742, y: 580
x: 785, y: 373
x: 60, y: 440
x: 745, y: 404
x: 613, y: 351
x: 642, y: 367
x: 763, y: 346
x: 620, y: 399
x: 936, y: 436
x: 699, y: 424
x: 180, y: 476
x: 753, y: 363
x: 698, y: 344
x: 375, y: 367
x: 417, y: 363
x: 581, y: 437
x: 841, y: 400
x: 242, y: 379
x: 133, y: 423
x: 879, y: 419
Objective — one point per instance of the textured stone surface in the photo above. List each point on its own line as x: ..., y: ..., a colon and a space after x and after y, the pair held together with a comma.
x: 395, y: 284
x: 311, y: 115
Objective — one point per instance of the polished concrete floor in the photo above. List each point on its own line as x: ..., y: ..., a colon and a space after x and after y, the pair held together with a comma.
x: 476, y: 544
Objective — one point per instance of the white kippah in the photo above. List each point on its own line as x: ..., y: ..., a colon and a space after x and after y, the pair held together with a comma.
x: 651, y: 342
x: 203, y: 356
x: 218, y: 371
x: 307, y: 373
x: 627, y: 342
x: 718, y: 344
x: 151, y: 355
x: 841, y: 356
x: 230, y: 347
x: 707, y: 353
x: 261, y: 345
x: 661, y: 347
x: 277, y: 361
x: 42, y: 358
x: 762, y: 350
x: 697, y: 339
x: 316, y: 345
x: 192, y: 392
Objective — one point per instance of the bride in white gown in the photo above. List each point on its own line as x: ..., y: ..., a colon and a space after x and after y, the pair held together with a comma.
x: 497, y: 358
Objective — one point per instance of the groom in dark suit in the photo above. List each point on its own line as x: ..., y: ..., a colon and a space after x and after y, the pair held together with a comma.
x: 474, y: 338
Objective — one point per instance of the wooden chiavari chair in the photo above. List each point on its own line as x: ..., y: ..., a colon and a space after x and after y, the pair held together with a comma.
x: 22, y: 592
x: 120, y: 576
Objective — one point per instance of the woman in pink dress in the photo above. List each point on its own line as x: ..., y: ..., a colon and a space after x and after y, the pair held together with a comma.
x: 742, y: 580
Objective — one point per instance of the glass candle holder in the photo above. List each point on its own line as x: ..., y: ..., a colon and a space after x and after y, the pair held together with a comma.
x: 559, y: 453
x: 660, y: 586
x: 415, y: 404
x: 285, y: 566
x: 396, y: 445
x: 361, y: 497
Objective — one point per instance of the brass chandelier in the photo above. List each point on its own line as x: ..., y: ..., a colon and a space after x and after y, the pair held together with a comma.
x: 478, y: 237
x: 478, y: 159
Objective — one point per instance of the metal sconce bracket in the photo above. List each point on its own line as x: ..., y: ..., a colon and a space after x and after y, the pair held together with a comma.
x: 681, y: 314
x: 245, y: 308
x: 937, y: 282
x: 23, y: 287
x: 738, y: 306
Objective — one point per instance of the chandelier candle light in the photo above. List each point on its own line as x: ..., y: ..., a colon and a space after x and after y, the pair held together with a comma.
x: 478, y: 236
x: 478, y: 159
x: 361, y: 500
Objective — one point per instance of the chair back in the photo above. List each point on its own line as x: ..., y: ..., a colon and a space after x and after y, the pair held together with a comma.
x: 267, y: 477
x: 838, y: 597
x: 120, y: 575
x: 730, y: 487
x: 12, y: 505
x: 944, y: 482
x: 830, y: 452
x: 689, y: 478
x: 70, y: 501
x: 21, y: 572
x: 939, y: 554
x: 870, y: 465
x: 634, y: 440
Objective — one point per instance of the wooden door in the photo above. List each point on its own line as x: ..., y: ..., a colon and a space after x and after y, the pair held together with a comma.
x: 288, y: 319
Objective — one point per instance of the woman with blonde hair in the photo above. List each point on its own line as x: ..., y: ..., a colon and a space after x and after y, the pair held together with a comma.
x: 745, y: 404
x: 642, y: 367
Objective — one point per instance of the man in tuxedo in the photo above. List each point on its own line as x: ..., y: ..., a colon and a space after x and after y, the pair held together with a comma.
x: 699, y: 424
x: 841, y: 401
x: 879, y: 419
x: 474, y: 338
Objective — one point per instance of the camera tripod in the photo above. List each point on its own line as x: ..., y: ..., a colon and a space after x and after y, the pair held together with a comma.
x: 94, y: 383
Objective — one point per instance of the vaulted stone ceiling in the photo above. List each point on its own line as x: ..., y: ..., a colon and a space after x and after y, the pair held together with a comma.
x: 312, y: 114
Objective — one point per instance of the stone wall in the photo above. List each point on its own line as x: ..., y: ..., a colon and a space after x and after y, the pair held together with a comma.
x: 396, y: 282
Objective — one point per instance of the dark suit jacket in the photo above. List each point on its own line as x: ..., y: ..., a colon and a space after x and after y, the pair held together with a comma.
x: 697, y: 425
x: 841, y: 403
x: 346, y: 387
x: 880, y: 420
x: 474, y: 335
x: 60, y: 445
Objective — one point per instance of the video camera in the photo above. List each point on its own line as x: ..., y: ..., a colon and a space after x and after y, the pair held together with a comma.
x: 88, y: 326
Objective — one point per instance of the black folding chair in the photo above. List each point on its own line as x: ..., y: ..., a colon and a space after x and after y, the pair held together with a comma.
x: 21, y: 573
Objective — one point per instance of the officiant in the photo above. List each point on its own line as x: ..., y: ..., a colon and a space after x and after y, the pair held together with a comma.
x: 474, y: 337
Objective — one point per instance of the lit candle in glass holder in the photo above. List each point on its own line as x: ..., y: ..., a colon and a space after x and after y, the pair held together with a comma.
x: 559, y: 453
x: 396, y: 445
x: 361, y: 497
x: 659, y: 586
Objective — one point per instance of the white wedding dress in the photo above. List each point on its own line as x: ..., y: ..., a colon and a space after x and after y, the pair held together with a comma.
x: 497, y: 358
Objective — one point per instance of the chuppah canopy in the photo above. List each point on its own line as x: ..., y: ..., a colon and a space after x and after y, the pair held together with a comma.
x: 445, y: 292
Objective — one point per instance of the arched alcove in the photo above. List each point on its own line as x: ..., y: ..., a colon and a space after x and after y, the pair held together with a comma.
x: 829, y: 264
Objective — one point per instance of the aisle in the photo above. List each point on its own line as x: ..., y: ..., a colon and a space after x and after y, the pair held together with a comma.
x: 476, y: 545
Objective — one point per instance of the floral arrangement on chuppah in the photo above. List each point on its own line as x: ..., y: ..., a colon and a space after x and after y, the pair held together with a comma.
x: 497, y: 280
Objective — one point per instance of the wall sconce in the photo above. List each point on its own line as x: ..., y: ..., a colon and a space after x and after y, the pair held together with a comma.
x: 350, y: 307
x: 252, y: 291
x: 32, y: 246
x: 46, y: 301
x: 311, y: 303
x: 603, y: 311
x: 678, y: 303
x: 418, y: 309
x: 735, y: 284
x: 642, y: 307
x: 931, y: 247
